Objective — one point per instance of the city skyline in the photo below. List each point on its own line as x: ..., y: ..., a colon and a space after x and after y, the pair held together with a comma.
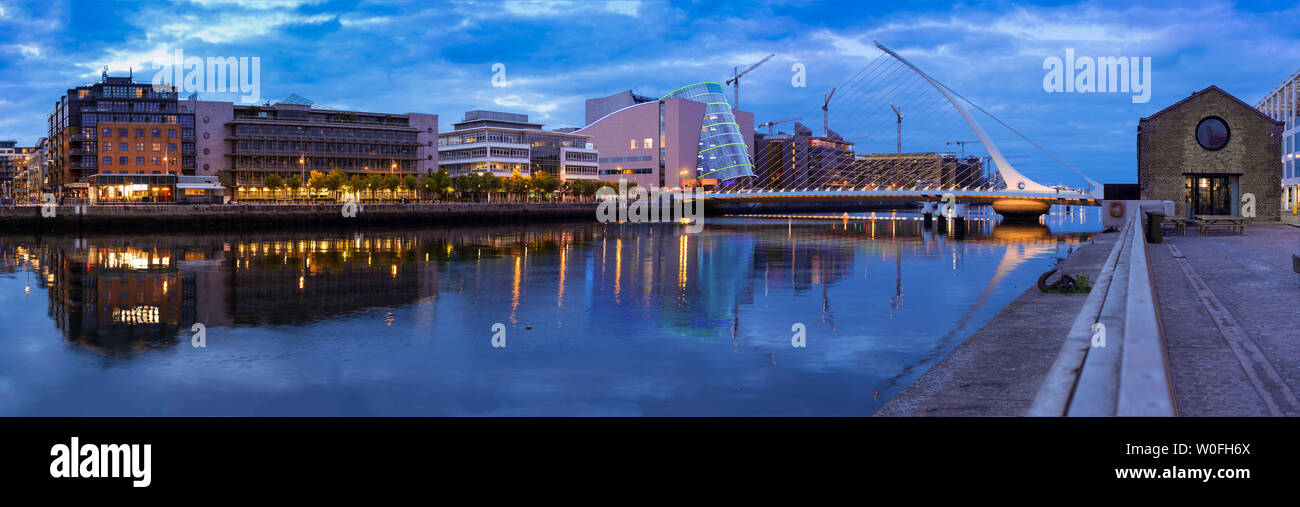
x: 441, y: 59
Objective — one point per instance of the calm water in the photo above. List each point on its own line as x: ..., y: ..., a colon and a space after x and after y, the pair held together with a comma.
x: 599, y: 319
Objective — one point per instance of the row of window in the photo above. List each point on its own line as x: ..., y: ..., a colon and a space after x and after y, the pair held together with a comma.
x: 126, y: 160
x: 641, y: 158
x: 627, y: 171
x: 323, y: 132
x: 124, y: 132
x: 647, y: 143
x: 138, y: 146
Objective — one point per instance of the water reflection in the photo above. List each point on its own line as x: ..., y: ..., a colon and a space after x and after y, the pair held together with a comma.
x: 603, y: 319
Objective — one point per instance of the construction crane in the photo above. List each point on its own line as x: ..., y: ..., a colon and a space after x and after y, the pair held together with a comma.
x: 735, y: 78
x: 771, y: 123
x: 900, y: 126
x: 826, y: 121
x: 961, y: 145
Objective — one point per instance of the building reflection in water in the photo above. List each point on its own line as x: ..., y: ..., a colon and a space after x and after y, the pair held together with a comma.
x: 124, y: 295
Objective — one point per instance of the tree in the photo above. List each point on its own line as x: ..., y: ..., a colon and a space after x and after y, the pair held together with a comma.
x: 544, y: 184
x: 316, y: 180
x: 273, y: 182
x: 409, y: 183
x: 390, y: 183
x: 466, y: 184
x: 355, y: 184
x: 374, y: 182
x: 442, y: 181
x: 426, y: 185
x: 516, y: 184
x: 294, y: 183
x: 334, y: 181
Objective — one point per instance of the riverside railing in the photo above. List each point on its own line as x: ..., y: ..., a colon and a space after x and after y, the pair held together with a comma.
x: 1113, y: 361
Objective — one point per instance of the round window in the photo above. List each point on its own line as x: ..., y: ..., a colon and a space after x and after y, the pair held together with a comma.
x: 205, y: 151
x: 205, y: 119
x: 205, y: 135
x: 1212, y: 133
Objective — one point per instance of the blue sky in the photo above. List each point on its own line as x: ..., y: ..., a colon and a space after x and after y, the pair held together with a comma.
x: 437, y: 57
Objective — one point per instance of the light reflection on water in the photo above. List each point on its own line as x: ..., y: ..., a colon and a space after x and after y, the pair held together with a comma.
x: 600, y: 319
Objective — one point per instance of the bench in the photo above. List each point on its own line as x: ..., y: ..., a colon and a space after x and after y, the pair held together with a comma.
x: 1206, y: 222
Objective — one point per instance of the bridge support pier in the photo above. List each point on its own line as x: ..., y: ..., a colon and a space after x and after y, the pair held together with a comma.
x: 958, y: 217
x: 1020, y: 210
x: 927, y: 211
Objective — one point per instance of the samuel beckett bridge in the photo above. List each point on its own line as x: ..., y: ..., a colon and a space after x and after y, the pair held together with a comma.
x: 885, y: 106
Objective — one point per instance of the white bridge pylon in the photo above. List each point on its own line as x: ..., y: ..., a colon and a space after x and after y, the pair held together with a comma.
x: 1014, y: 179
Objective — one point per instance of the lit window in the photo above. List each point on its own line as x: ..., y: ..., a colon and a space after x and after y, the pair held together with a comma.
x: 631, y: 144
x: 157, y: 146
x: 157, y: 160
x: 139, y: 146
x: 108, y: 146
x: 648, y: 143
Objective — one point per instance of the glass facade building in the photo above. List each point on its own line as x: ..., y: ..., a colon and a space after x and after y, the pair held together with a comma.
x: 723, y: 153
x: 1283, y: 104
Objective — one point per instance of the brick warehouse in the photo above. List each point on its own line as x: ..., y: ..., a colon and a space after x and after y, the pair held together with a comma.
x: 1209, y: 151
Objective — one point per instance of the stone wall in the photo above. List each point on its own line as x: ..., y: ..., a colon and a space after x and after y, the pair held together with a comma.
x: 150, y: 217
x: 1167, y: 149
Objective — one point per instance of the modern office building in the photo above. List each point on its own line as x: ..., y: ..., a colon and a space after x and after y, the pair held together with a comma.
x: 14, y: 162
x: 1283, y: 104
x: 1210, y: 153
x: 802, y: 160
x: 133, y: 131
x: 690, y: 136
x: 295, y: 137
x: 920, y: 170
x: 502, y: 143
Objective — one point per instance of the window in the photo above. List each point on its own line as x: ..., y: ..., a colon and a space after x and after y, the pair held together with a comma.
x: 648, y: 143
x: 139, y: 160
x: 139, y: 132
x: 121, y: 160
x: 122, y: 147
x: 139, y: 146
x: 108, y: 160
x: 172, y: 147
x: 172, y: 132
x: 108, y: 146
x: 157, y: 133
x: 631, y: 144
x: 1212, y: 133
x: 108, y: 132
x: 157, y: 146
x: 157, y: 160
x: 122, y: 133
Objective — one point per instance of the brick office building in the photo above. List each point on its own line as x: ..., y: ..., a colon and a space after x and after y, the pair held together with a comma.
x: 1207, y: 153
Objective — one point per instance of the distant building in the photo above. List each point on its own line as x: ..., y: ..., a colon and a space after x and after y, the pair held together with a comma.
x: 1207, y: 153
x: 296, y: 137
x: 135, y: 131
x: 1283, y: 104
x: 920, y: 170
x: 14, y: 161
x: 802, y: 160
x: 601, y: 107
x: 502, y: 143
x: 690, y: 136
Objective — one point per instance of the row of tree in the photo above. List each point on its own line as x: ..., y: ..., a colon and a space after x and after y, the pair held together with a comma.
x: 441, y: 185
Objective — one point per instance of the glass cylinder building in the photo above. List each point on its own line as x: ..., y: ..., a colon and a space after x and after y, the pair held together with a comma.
x: 723, y: 154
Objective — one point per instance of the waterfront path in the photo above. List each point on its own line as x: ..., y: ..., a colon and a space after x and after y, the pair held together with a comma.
x: 998, y: 370
x: 1229, y: 309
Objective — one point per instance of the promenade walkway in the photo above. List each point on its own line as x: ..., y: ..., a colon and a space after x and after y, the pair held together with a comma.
x: 1230, y: 306
x: 998, y: 370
